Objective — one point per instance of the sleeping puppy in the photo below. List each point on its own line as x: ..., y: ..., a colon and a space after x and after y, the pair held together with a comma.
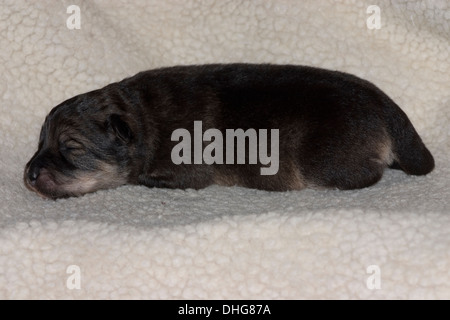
x: 270, y: 127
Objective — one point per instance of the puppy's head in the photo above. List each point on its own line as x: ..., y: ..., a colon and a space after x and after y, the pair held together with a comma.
x: 85, y: 144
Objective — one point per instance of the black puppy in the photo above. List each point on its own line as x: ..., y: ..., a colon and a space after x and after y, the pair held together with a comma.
x: 327, y: 129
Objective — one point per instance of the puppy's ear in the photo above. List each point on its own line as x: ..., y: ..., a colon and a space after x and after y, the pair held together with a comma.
x: 120, y: 128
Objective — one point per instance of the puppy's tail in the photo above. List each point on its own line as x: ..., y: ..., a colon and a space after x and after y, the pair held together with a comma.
x: 410, y: 153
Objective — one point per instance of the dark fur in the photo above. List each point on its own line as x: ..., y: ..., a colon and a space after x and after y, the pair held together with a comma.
x: 336, y: 131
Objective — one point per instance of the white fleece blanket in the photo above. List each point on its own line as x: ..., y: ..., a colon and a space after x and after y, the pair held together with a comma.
x: 388, y: 241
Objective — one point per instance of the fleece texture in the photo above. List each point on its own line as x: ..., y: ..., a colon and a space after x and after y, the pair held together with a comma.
x: 391, y: 240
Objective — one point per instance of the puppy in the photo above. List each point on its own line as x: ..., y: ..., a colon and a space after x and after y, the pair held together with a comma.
x: 330, y: 130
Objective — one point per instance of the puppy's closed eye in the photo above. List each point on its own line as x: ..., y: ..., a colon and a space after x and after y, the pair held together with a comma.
x: 72, y: 147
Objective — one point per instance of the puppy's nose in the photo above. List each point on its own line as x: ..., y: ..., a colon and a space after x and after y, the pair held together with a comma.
x: 33, y: 173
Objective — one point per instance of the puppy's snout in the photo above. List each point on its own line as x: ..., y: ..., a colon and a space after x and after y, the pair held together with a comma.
x: 34, y: 168
x: 33, y: 173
